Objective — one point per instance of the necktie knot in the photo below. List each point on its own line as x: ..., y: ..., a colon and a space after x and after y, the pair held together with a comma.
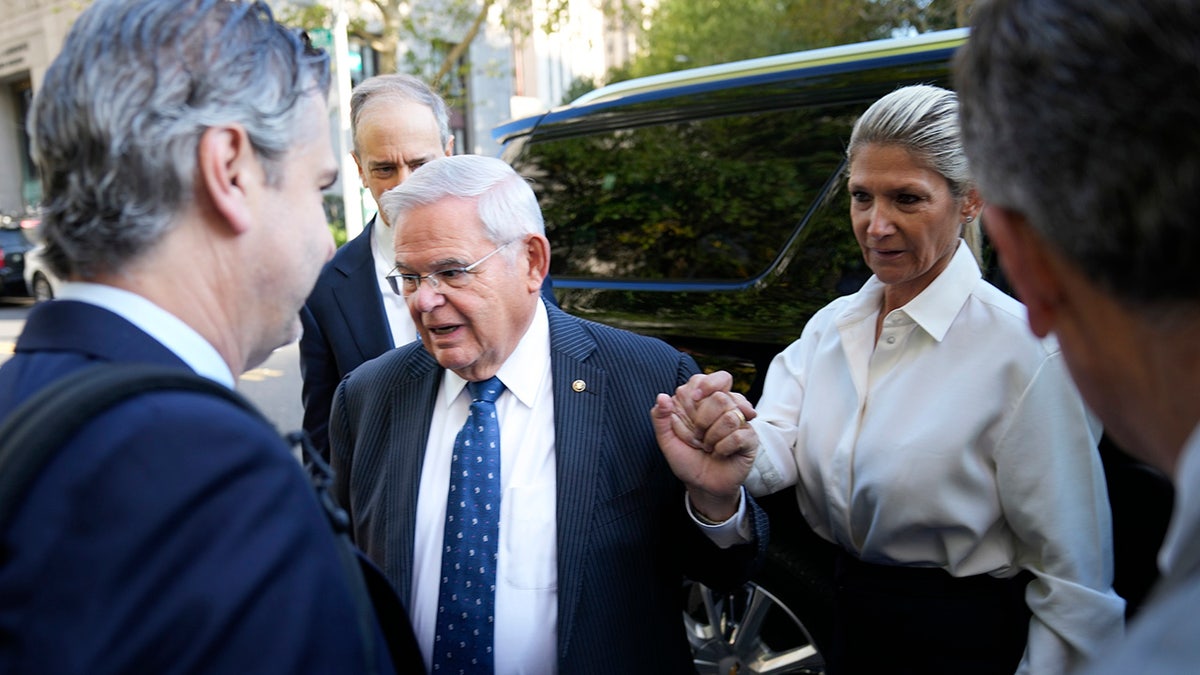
x: 487, y: 390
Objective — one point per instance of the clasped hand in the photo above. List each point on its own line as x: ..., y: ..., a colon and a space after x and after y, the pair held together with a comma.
x: 703, y: 432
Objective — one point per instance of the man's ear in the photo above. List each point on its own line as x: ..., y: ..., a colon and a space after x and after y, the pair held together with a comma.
x: 450, y: 146
x: 537, y: 250
x: 362, y: 175
x: 1025, y: 259
x: 227, y: 166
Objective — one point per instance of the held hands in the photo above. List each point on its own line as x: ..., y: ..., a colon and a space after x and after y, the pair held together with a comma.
x: 703, y: 433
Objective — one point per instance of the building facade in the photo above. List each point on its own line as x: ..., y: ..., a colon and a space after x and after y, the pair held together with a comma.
x: 504, y: 74
x: 30, y: 36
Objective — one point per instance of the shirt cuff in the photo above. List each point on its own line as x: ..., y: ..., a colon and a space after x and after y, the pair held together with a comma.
x: 737, y: 530
x: 764, y: 477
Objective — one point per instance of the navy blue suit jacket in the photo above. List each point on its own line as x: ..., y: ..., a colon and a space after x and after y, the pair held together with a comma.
x: 625, y: 542
x: 175, y: 533
x: 344, y: 325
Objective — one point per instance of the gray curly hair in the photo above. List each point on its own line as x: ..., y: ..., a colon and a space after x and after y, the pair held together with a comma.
x: 116, y: 124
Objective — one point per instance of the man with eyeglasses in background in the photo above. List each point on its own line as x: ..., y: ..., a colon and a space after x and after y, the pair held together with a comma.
x: 398, y: 124
x: 551, y: 533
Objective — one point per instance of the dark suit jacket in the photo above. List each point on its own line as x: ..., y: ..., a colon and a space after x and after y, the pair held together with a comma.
x: 625, y: 542
x: 175, y: 533
x: 344, y: 325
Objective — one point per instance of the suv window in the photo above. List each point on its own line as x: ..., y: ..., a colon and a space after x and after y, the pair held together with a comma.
x: 712, y: 199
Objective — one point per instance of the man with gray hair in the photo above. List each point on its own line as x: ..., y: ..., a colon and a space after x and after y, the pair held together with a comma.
x: 398, y: 124
x: 504, y: 471
x: 184, y: 149
x: 1082, y: 123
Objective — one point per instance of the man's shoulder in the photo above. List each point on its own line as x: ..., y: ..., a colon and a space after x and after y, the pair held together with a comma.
x: 1162, y: 639
x: 154, y: 416
x: 570, y: 326
x: 400, y: 364
x: 351, y: 258
x: 348, y: 278
x: 356, y: 247
x: 162, y: 446
x: 196, y: 492
x: 184, y: 421
x: 582, y: 339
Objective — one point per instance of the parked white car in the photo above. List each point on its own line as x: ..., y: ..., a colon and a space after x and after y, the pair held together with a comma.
x: 40, y: 281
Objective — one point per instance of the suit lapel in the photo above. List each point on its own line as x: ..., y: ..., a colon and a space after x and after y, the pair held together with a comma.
x: 579, y: 410
x: 357, y: 297
x: 410, y: 408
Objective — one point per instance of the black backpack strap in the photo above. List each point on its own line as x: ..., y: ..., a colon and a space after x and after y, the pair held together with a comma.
x: 43, y: 423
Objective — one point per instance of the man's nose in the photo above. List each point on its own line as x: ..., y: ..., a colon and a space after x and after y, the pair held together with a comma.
x: 427, y: 297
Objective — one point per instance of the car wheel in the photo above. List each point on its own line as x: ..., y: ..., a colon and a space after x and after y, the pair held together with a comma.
x: 42, y: 290
x: 748, y: 631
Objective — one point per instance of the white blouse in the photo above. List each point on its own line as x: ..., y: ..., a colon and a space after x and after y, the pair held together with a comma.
x: 957, y: 441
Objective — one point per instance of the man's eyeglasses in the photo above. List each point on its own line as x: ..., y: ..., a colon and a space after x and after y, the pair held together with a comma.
x: 455, y: 277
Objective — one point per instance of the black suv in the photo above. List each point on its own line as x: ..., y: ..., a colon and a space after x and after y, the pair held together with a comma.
x: 706, y: 208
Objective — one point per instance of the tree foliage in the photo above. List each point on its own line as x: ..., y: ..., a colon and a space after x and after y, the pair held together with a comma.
x: 679, y: 33
x: 686, y: 33
x: 424, y: 37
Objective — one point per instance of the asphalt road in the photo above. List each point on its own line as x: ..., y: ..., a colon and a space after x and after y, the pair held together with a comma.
x: 274, y: 386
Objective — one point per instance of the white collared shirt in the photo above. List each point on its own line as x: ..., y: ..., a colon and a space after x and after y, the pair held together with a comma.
x: 958, y: 441
x: 156, y: 322
x: 395, y: 309
x: 527, y: 573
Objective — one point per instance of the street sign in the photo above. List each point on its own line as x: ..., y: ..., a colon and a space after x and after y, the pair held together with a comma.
x: 321, y: 37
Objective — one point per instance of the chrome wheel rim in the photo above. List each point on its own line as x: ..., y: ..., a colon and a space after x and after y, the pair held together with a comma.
x: 747, y: 632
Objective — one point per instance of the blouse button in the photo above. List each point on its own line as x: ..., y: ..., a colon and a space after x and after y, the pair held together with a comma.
x: 891, y: 339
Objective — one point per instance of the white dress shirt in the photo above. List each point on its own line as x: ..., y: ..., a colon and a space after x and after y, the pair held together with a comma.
x: 957, y: 441
x: 527, y: 570
x: 156, y: 322
x: 395, y: 309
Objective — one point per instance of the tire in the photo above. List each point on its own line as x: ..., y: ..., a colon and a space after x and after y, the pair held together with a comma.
x: 42, y: 290
x: 775, y: 623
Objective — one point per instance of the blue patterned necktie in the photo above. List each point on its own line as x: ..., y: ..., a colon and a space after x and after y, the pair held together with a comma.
x: 462, y: 641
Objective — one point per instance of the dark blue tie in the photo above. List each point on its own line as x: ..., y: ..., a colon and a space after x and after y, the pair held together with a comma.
x: 466, y: 615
